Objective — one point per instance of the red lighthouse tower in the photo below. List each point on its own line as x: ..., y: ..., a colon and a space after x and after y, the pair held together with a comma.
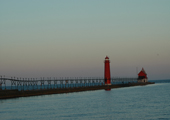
x: 107, y: 71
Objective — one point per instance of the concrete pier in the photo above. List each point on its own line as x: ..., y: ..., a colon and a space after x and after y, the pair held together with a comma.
x: 6, y: 94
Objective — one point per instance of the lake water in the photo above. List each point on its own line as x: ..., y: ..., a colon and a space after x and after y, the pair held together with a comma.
x: 151, y: 102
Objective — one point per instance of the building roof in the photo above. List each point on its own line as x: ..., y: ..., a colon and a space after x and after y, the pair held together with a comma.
x: 142, y: 71
x: 106, y: 57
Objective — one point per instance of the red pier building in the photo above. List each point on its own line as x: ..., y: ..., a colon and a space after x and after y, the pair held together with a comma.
x: 107, y: 71
x: 142, y: 76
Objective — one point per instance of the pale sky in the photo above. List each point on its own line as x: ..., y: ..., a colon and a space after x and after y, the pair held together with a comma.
x: 70, y: 38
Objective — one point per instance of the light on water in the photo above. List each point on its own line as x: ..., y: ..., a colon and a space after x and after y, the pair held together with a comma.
x: 133, y: 103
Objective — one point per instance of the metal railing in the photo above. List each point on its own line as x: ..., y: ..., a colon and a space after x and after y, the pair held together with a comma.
x: 24, y: 84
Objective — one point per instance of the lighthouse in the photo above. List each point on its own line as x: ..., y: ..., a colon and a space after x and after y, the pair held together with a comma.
x: 142, y: 76
x: 107, y: 71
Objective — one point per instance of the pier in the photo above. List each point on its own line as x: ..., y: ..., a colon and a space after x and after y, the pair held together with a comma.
x: 11, y: 87
x: 24, y: 87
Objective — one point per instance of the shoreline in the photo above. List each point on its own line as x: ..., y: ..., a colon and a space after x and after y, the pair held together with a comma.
x: 8, y: 94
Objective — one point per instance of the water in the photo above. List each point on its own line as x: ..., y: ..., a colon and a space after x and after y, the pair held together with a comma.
x: 151, y: 102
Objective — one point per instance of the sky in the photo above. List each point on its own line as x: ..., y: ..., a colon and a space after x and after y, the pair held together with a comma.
x: 71, y: 38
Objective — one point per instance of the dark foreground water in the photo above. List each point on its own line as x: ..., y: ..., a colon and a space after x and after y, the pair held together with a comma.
x: 151, y: 102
